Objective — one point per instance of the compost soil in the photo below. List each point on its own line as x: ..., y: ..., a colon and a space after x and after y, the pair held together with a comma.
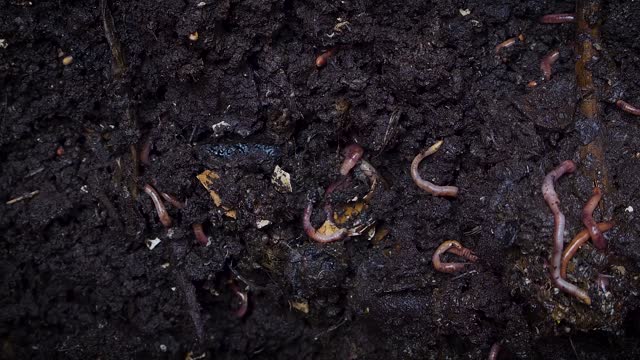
x: 231, y: 87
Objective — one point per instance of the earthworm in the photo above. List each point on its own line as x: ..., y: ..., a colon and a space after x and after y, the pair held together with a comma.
x: 163, y: 215
x: 198, y: 231
x: 172, y: 200
x: 626, y: 107
x: 321, y: 60
x: 580, y: 239
x: 551, y: 197
x: 313, y: 234
x: 465, y: 253
x: 435, y: 190
x: 587, y: 219
x: 453, y: 247
x: 547, y: 62
x: 509, y: 42
x: 495, y: 350
x: 145, y: 150
x: 558, y: 18
x: 352, y: 154
x: 244, y: 300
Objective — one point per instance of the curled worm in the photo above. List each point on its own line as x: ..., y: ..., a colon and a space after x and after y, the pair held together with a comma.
x: 315, y: 235
x: 455, y: 248
x: 435, y: 190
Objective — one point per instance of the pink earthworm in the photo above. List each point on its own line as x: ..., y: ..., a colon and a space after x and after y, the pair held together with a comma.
x: 455, y: 248
x: 172, y: 200
x: 322, y: 59
x: 495, y: 350
x: 580, y: 239
x: 547, y: 62
x: 558, y: 18
x: 163, y: 215
x: 313, y: 233
x: 626, y: 107
x: 435, y: 190
x: 201, y: 237
x: 352, y: 154
x: 244, y: 300
x: 551, y: 197
x: 587, y: 219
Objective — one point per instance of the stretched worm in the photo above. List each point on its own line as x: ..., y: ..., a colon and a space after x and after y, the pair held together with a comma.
x: 313, y: 234
x: 201, y: 237
x: 321, y: 60
x: 505, y: 44
x: 435, y: 190
x: 495, y: 350
x: 626, y: 107
x: 551, y: 197
x: 587, y: 219
x: 163, y: 215
x: 455, y: 248
x: 547, y: 62
x: 580, y: 239
x: 558, y: 18
x: 352, y: 154
x: 244, y: 300
x: 172, y: 200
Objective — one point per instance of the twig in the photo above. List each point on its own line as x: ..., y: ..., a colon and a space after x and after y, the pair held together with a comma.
x: 23, y: 197
x: 119, y: 66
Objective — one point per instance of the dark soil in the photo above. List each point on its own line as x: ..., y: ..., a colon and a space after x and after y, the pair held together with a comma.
x: 78, y: 280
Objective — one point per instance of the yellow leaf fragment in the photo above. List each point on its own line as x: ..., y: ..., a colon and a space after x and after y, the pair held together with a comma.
x: 207, y: 178
x: 328, y: 228
x: 302, y: 305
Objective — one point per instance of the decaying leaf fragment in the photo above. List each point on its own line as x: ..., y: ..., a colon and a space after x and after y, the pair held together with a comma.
x: 207, y: 179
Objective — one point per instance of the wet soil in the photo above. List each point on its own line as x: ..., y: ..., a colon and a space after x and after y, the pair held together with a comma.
x: 244, y: 97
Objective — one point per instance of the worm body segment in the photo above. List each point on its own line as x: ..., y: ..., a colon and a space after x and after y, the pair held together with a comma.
x: 322, y: 59
x: 626, y: 107
x: 455, y: 248
x: 201, y: 237
x: 315, y: 235
x: 587, y: 219
x: 163, y: 215
x: 495, y: 350
x: 244, y: 300
x: 352, y: 154
x: 172, y: 200
x: 505, y: 44
x: 580, y: 239
x: 435, y: 190
x: 558, y: 18
x: 547, y: 62
x: 551, y: 197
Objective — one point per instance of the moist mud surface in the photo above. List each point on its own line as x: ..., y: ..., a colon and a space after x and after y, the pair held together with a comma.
x: 230, y: 89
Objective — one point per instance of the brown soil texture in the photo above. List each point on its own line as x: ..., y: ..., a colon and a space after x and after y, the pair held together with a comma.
x: 243, y: 97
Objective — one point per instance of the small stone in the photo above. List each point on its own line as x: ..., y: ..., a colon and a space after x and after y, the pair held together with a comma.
x: 152, y: 243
